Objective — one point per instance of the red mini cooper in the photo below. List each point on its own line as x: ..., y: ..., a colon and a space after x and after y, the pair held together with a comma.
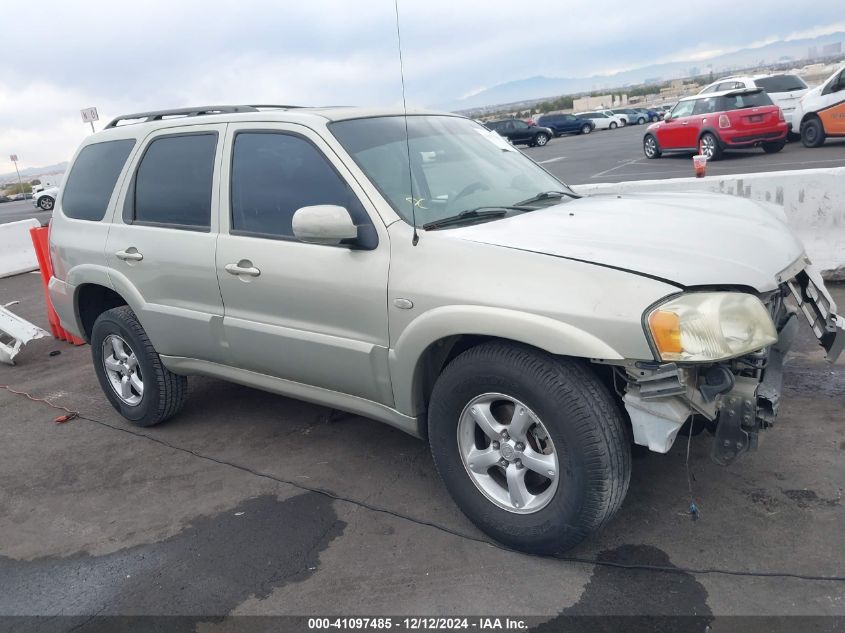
x: 711, y: 123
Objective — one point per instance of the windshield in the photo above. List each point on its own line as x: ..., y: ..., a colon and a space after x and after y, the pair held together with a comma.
x: 781, y: 83
x: 457, y: 165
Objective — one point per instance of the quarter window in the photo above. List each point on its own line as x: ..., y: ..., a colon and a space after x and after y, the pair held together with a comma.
x: 92, y: 178
x: 274, y: 174
x: 174, y: 180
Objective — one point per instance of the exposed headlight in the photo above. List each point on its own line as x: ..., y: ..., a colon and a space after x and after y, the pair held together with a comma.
x: 710, y: 326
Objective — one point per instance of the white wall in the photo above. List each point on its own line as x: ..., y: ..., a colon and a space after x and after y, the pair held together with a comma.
x: 17, y: 255
x: 813, y: 200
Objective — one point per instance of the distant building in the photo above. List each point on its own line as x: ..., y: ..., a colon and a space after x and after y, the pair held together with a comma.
x: 832, y: 49
x: 583, y: 104
x: 812, y: 52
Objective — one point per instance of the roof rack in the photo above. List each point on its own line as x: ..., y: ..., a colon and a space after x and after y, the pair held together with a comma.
x: 158, y: 115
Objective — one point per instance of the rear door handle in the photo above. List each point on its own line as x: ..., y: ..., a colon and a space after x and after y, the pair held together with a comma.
x: 243, y: 267
x: 130, y: 254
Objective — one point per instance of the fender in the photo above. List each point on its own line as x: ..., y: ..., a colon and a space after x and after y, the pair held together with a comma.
x: 556, y: 337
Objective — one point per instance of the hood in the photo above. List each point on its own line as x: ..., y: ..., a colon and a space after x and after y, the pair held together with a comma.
x: 695, y: 239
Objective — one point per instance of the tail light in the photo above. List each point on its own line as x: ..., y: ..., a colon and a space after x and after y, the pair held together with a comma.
x: 780, y: 115
x: 724, y: 121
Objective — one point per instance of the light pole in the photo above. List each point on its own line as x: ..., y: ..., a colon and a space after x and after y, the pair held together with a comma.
x: 14, y: 158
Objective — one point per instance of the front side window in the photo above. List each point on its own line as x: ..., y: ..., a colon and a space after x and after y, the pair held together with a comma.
x: 456, y: 165
x: 174, y: 180
x: 274, y: 174
x: 684, y: 108
x: 92, y: 178
x: 705, y: 106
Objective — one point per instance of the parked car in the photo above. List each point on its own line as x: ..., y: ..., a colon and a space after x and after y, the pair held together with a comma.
x: 821, y: 112
x: 528, y: 332
x: 5, y: 199
x: 562, y: 124
x: 45, y: 199
x: 599, y: 120
x: 621, y: 119
x: 651, y: 114
x: 714, y: 122
x: 518, y: 131
x: 785, y: 90
x: 634, y: 116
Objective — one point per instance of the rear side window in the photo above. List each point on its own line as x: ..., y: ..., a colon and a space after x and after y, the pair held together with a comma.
x: 781, y: 83
x: 274, y: 174
x: 92, y: 179
x: 173, y: 181
x: 746, y: 100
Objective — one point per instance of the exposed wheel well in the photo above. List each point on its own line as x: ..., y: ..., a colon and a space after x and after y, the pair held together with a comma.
x: 440, y: 353
x: 91, y: 301
x: 808, y: 117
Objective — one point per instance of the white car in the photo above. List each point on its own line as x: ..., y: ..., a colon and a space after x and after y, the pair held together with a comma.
x: 785, y: 90
x: 821, y: 112
x: 622, y: 119
x: 45, y: 200
x: 602, y: 121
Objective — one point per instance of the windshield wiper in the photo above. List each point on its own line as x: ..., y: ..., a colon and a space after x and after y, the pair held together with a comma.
x: 546, y: 195
x: 474, y: 214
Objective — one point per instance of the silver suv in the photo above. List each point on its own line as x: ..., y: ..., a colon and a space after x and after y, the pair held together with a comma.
x: 421, y: 271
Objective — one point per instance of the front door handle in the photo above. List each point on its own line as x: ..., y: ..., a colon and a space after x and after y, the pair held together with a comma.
x: 243, y: 267
x: 130, y: 254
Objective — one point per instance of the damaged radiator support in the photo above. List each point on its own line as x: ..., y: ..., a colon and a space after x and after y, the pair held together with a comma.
x: 15, y: 332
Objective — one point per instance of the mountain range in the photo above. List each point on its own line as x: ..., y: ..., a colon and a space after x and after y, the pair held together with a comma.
x: 29, y: 173
x: 539, y: 87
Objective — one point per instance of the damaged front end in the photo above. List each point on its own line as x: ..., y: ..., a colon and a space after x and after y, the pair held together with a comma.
x: 737, y: 397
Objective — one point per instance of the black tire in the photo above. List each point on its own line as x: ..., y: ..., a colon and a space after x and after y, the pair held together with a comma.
x: 717, y: 146
x: 579, y: 415
x: 586, y: 129
x: 541, y: 139
x: 651, y: 152
x: 164, y: 392
x: 613, y: 125
x: 641, y: 121
x: 45, y: 203
x: 812, y: 133
x: 774, y: 147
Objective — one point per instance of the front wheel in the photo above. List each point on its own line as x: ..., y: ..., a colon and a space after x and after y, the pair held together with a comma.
x: 541, y: 139
x: 586, y: 129
x: 531, y: 447
x: 45, y: 203
x: 641, y: 121
x: 774, y: 147
x: 812, y: 133
x: 650, y: 147
x: 130, y: 371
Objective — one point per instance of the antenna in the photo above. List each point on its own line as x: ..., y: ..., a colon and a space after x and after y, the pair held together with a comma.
x: 416, y: 237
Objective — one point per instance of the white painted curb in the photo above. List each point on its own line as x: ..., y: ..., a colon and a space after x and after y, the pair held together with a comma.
x: 17, y: 254
x: 812, y: 199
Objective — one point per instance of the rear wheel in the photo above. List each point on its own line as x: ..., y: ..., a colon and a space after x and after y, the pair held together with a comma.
x: 650, y: 147
x: 130, y: 371
x: 641, y: 121
x: 586, y: 129
x: 532, y: 448
x: 709, y: 146
x: 613, y: 125
x: 812, y: 133
x: 45, y: 202
x: 774, y: 147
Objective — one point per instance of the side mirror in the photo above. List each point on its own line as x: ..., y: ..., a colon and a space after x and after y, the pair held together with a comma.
x: 667, y: 116
x: 327, y: 224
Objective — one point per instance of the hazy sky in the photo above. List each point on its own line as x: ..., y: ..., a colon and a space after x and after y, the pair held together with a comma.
x: 126, y: 57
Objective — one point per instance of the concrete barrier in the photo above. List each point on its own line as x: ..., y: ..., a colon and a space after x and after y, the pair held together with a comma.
x: 17, y: 254
x: 812, y: 199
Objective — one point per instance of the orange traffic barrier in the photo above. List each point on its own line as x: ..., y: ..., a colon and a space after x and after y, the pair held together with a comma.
x: 40, y: 240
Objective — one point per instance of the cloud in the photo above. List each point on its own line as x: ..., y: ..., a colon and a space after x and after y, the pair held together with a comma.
x: 123, y: 57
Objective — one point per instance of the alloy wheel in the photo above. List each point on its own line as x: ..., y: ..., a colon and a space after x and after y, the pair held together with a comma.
x: 122, y: 370
x: 507, y: 453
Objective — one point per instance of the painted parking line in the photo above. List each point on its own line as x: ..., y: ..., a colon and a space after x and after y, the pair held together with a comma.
x: 550, y: 160
x: 624, y: 164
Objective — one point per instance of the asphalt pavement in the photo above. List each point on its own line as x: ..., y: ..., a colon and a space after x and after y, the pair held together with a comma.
x: 617, y: 156
x: 22, y: 210
x: 249, y: 503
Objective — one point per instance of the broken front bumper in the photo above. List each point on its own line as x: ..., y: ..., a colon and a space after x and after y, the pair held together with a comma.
x: 739, y: 397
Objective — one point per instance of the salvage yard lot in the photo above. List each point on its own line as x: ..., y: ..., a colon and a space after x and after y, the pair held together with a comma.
x: 617, y: 156
x: 216, y: 511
